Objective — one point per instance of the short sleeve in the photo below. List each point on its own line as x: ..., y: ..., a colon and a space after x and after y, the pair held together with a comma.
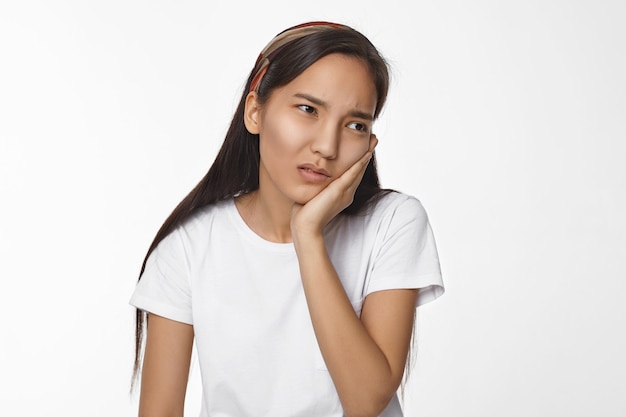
x: 164, y: 287
x: 406, y: 254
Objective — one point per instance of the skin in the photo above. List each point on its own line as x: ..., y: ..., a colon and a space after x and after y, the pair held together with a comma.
x: 321, y: 120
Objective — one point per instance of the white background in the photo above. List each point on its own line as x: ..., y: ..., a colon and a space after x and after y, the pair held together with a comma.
x: 507, y: 119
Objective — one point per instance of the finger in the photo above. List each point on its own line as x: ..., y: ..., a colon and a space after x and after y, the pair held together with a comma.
x: 373, y: 142
x: 364, y: 162
x: 360, y: 165
x: 352, y: 177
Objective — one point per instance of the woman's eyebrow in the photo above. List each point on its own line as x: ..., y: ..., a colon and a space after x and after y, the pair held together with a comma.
x: 322, y: 103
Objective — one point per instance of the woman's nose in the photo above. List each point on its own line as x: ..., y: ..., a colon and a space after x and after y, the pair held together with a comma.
x: 326, y: 142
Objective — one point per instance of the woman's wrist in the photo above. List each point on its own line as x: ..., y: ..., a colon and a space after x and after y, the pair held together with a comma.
x: 307, y: 240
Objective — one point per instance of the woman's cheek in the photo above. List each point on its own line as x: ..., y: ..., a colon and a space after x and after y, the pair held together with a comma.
x: 356, y: 152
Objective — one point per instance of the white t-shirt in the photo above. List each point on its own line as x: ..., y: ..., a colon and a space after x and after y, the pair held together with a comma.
x: 256, y: 348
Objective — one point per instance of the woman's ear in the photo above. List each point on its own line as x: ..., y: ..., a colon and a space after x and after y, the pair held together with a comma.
x: 252, y: 113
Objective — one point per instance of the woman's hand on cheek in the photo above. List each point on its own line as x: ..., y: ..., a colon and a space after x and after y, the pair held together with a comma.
x: 312, y: 217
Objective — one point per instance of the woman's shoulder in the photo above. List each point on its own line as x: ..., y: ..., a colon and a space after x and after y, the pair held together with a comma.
x: 206, y: 218
x: 396, y: 202
x: 392, y: 207
x: 209, y: 213
x: 195, y: 226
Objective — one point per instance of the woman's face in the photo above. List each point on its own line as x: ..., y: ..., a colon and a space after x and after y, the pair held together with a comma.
x: 314, y: 128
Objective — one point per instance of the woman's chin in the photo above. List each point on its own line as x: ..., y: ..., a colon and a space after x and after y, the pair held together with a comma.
x: 305, y: 196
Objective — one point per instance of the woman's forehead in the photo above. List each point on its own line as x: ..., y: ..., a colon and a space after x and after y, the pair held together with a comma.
x: 335, y: 79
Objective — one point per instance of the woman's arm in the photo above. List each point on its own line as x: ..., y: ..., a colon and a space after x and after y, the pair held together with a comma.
x: 165, y: 367
x: 365, y: 357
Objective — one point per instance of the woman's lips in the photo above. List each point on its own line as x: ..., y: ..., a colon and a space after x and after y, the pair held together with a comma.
x: 314, y: 174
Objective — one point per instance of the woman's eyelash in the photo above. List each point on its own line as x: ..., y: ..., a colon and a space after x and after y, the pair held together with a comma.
x: 307, y: 109
x: 361, y: 127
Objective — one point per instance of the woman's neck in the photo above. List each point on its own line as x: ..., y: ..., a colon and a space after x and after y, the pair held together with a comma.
x: 268, y: 217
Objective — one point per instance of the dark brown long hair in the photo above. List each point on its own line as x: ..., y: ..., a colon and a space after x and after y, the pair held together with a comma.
x: 235, y: 170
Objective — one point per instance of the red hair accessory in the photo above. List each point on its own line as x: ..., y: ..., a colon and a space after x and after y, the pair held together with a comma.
x: 282, y: 39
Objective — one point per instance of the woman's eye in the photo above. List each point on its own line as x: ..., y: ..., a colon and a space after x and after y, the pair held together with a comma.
x: 361, y: 127
x: 307, y: 109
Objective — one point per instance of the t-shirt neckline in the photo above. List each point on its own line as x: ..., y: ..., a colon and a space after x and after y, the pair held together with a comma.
x: 252, y: 236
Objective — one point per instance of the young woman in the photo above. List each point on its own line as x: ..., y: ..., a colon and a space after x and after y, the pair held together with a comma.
x: 297, y: 275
